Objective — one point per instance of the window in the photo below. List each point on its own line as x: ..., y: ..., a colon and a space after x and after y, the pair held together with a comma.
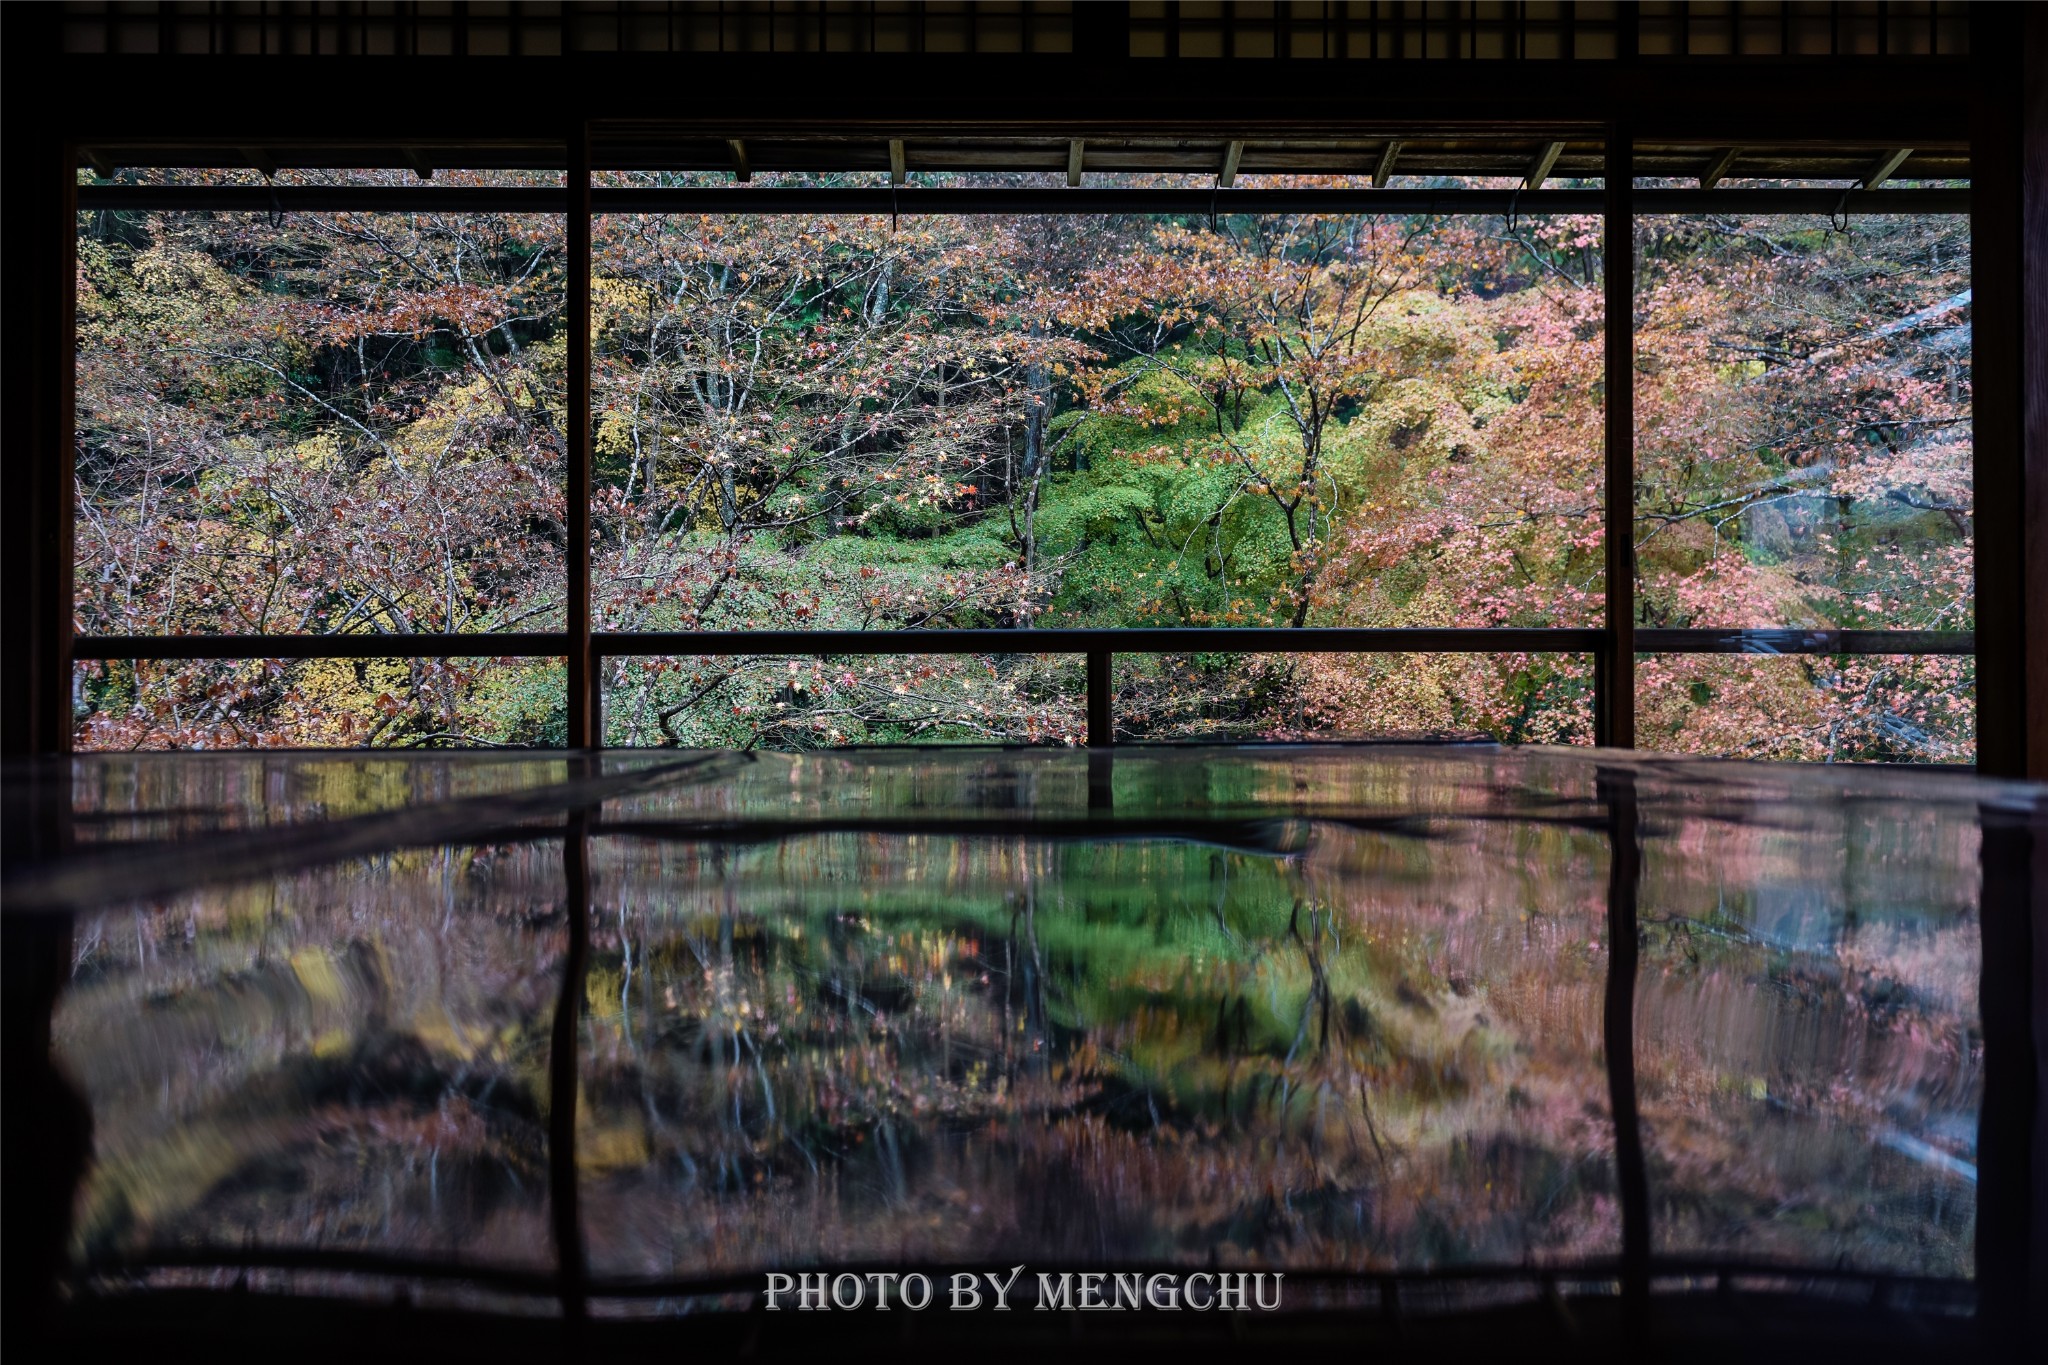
x: 1803, y: 464
x: 968, y: 457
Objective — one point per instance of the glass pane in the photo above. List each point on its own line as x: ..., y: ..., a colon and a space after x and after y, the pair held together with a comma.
x: 1811, y: 708
x: 318, y: 704
x: 783, y: 702
x: 313, y: 423
x: 353, y: 1058
x: 810, y: 422
x: 1803, y: 423
x: 1809, y: 1056
x: 1513, y: 698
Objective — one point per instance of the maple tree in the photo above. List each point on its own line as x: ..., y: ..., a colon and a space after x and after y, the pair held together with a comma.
x: 811, y: 424
x: 1804, y: 460
x: 329, y: 424
x: 1349, y: 421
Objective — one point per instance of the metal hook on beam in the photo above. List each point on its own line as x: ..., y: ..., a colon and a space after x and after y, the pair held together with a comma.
x: 1838, y: 216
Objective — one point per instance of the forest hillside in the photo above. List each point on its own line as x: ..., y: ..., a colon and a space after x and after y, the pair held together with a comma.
x: 354, y: 423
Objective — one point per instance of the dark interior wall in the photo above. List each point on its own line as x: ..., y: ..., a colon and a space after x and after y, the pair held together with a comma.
x: 2009, y: 226
x: 55, y: 103
x: 2033, y: 226
x: 31, y: 219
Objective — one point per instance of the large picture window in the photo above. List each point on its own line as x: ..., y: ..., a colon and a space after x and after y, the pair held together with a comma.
x: 981, y: 459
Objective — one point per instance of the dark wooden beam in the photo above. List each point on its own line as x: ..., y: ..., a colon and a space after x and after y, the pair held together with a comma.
x: 60, y: 458
x: 2009, y: 322
x: 1232, y: 153
x: 1384, y: 172
x: 417, y: 160
x: 2009, y: 326
x: 1101, y: 699
x: 897, y: 168
x: 1074, y: 149
x: 1539, y: 169
x: 1102, y: 30
x: 510, y: 645
x: 464, y: 199
x: 1614, y: 675
x: 36, y: 417
x: 1042, y: 640
x: 882, y: 95
x: 1717, y: 169
x: 741, y: 171
x: 1077, y: 640
x: 823, y: 148
x: 1883, y: 168
x: 2032, y: 622
x: 585, y: 724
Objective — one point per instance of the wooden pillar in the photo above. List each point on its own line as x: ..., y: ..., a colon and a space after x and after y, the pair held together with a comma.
x: 2034, y: 369
x: 2009, y: 346
x: 2009, y: 321
x: 1101, y: 700
x: 36, y: 466
x: 1614, y: 672
x: 586, y: 728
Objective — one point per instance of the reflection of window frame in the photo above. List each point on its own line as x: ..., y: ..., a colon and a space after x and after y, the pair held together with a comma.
x: 1613, y: 646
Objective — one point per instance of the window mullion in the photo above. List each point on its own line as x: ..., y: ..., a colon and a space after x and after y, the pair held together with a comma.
x: 585, y: 729
x: 1615, y: 670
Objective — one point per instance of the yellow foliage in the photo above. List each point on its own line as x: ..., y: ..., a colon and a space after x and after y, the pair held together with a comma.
x: 316, y: 451
x: 614, y: 300
x: 318, y: 977
x: 607, y: 1149
x: 615, y: 434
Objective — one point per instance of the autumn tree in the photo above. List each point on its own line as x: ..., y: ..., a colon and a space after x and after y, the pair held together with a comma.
x: 356, y: 424
x: 345, y: 424
x: 1804, y: 461
x: 811, y: 423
